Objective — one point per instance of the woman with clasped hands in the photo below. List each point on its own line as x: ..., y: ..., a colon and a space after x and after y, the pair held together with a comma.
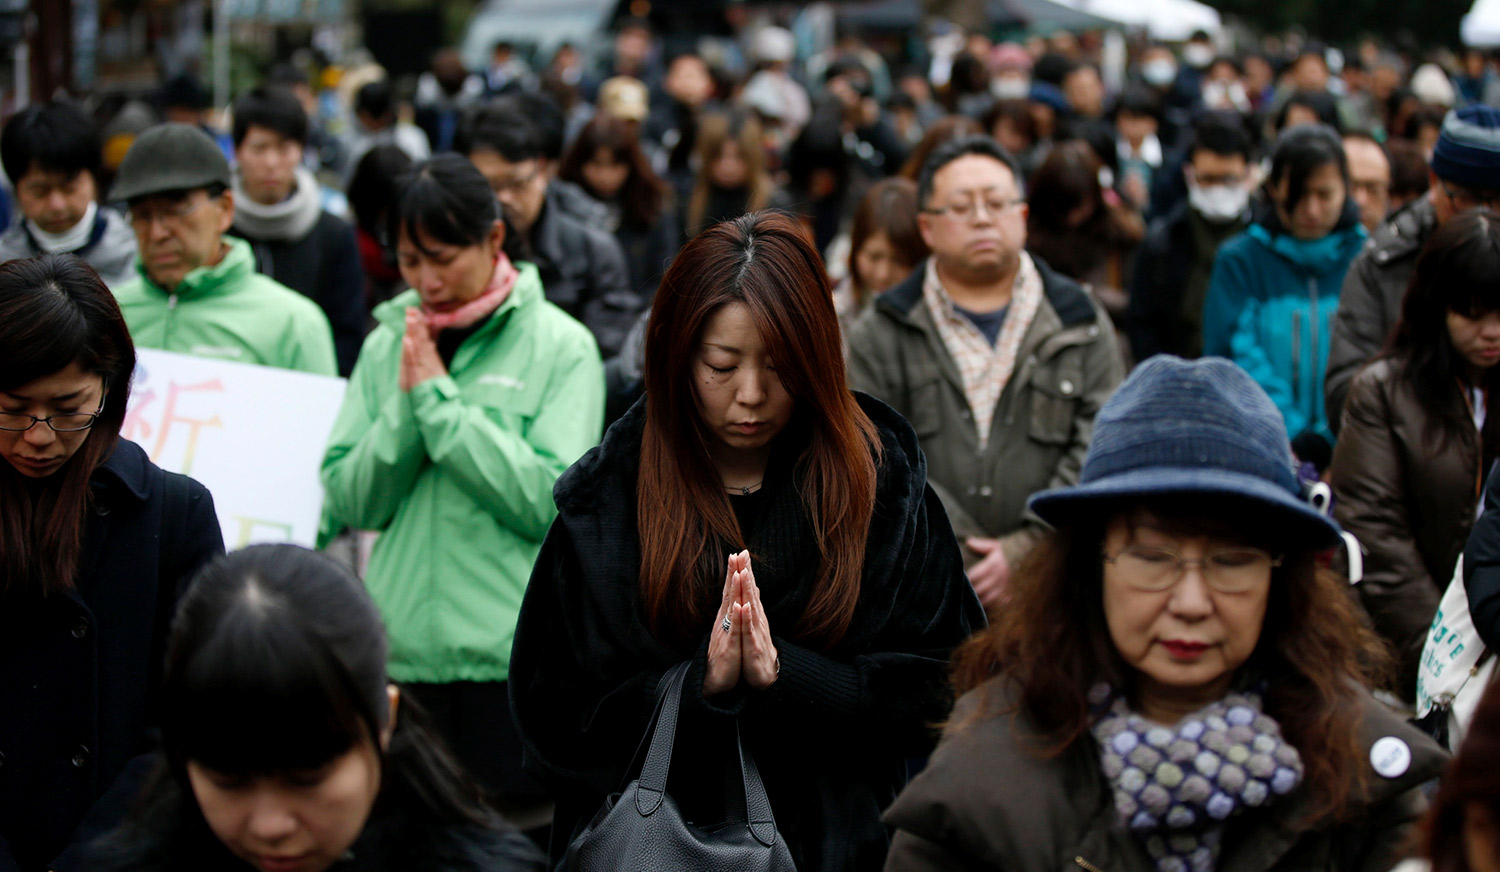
x: 1177, y: 685
x: 753, y: 517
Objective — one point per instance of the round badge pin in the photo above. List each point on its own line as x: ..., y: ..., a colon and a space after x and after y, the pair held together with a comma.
x: 1391, y: 757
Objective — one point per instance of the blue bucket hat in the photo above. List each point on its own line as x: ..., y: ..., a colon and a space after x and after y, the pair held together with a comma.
x: 1192, y: 428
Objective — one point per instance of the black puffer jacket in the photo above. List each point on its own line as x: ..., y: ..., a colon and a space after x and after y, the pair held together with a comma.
x: 583, y: 273
x: 829, y: 736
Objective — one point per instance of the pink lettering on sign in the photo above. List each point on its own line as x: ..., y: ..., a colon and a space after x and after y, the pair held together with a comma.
x: 146, y: 421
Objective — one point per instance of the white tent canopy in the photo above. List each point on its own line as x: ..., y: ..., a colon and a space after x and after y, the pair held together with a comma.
x: 1481, y: 26
x: 1172, y: 20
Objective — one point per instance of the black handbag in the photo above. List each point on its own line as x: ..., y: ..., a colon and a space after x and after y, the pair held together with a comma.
x: 642, y: 828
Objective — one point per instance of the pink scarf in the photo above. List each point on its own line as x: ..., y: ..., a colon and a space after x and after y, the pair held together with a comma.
x: 482, y: 306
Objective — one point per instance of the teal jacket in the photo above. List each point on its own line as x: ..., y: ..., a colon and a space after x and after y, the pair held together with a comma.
x: 1270, y: 307
x: 458, y: 476
x: 230, y: 312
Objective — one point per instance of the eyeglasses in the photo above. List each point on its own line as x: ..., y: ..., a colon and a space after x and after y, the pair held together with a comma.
x: 969, y: 210
x: 515, y: 186
x: 71, y: 423
x: 1153, y: 569
x: 170, y: 217
x: 1472, y: 198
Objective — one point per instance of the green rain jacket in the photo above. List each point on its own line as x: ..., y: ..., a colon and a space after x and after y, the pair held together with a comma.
x: 458, y: 475
x: 230, y: 312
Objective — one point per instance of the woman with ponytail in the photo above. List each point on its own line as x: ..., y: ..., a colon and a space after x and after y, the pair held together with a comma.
x: 94, y: 543
x: 470, y: 398
x: 754, y: 517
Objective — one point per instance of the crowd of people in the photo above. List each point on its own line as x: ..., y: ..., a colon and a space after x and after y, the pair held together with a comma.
x: 1036, y: 426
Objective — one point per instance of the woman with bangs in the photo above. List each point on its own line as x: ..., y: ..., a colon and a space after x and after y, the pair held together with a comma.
x: 470, y: 398
x: 1418, y: 437
x: 752, y: 516
x: 1176, y: 684
x: 286, y: 748
x: 95, y: 542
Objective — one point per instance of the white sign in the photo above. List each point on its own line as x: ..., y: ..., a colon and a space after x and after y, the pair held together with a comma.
x: 253, y: 435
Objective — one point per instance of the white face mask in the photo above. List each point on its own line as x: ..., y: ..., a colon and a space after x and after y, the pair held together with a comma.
x: 1218, y: 203
x: 1197, y: 55
x: 1159, y: 72
x: 1011, y: 88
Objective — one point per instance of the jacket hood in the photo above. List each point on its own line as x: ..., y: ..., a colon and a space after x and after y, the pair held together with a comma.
x: 288, y: 221
x: 226, y: 276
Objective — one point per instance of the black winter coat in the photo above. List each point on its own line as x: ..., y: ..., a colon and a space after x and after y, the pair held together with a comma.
x: 1482, y: 566
x: 583, y: 273
x: 829, y: 736
x: 79, y: 671
x: 166, y: 836
x: 323, y: 266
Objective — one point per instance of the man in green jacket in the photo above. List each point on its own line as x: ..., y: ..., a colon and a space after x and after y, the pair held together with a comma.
x: 196, y: 290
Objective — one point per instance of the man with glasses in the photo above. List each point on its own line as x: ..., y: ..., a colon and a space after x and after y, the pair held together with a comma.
x: 582, y: 267
x: 196, y: 290
x: 1173, y: 264
x: 1465, y: 174
x: 999, y: 363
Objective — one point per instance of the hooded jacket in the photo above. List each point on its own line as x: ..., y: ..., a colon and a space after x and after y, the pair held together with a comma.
x: 230, y: 312
x: 1370, y: 304
x: 988, y: 801
x: 301, y: 245
x: 110, y: 250
x: 457, y: 473
x: 829, y: 736
x: 1270, y: 304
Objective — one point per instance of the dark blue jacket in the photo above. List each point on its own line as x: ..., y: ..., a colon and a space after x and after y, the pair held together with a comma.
x: 79, y: 671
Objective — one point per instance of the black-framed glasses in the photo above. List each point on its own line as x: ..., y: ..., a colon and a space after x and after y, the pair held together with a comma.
x: 170, y: 217
x: 69, y: 423
x: 1153, y: 568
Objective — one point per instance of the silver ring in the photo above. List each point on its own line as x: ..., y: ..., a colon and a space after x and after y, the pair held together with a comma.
x: 725, y: 625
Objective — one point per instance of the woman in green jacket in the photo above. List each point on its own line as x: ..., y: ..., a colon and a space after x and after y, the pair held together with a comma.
x: 468, y: 401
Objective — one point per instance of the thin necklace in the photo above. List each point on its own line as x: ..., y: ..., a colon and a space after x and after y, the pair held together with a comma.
x: 747, y: 490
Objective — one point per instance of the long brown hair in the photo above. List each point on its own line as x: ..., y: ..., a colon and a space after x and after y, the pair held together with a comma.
x: 684, y: 518
x: 54, y: 312
x: 714, y: 132
x: 1052, y: 644
x: 1473, y: 778
x: 642, y: 195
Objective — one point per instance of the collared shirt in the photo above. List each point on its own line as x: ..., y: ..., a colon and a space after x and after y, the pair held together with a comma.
x: 984, y: 368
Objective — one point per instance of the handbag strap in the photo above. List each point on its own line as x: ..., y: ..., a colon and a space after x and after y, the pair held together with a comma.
x: 758, y: 816
x: 653, y: 780
x: 652, y: 784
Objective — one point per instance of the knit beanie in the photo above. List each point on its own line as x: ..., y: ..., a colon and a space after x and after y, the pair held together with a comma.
x: 1468, y: 148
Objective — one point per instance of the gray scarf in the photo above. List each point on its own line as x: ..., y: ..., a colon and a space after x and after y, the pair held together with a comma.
x: 287, y: 221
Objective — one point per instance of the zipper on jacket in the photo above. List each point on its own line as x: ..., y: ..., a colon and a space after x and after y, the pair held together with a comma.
x: 1086, y: 865
x: 166, y: 324
x: 1296, y: 346
x: 1312, y: 334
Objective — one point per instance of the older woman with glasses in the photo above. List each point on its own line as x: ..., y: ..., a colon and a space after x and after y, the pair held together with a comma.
x: 95, y: 541
x: 1176, y: 684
